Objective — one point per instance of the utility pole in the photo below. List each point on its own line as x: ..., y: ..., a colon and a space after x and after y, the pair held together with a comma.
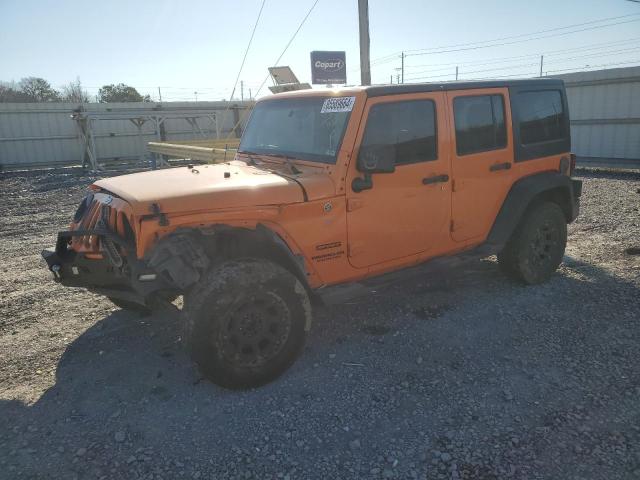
x: 541, y: 62
x: 363, y: 22
x: 160, y: 94
x: 250, y: 96
x: 391, y: 82
x: 241, y: 91
x: 456, y: 72
x: 196, y: 94
x: 402, y: 67
x: 397, y: 78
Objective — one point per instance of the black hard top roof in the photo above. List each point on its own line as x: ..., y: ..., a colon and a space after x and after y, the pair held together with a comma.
x: 379, y: 90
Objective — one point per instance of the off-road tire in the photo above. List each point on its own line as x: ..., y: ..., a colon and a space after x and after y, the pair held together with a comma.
x: 246, y: 322
x: 535, y: 250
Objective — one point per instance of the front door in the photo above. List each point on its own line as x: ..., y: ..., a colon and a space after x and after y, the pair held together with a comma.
x: 482, y: 156
x: 405, y: 212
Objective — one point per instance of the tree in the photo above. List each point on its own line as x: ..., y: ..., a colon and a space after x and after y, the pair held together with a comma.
x: 10, y: 94
x: 73, y: 92
x: 38, y: 90
x: 120, y: 93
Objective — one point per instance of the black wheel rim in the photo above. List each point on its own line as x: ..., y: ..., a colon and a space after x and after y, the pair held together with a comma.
x: 255, y: 330
x: 544, y: 246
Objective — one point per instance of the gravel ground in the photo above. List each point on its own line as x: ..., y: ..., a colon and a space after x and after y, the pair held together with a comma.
x: 464, y: 377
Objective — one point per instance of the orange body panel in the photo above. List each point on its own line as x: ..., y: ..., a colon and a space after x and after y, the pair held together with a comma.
x: 343, y: 235
x: 478, y: 192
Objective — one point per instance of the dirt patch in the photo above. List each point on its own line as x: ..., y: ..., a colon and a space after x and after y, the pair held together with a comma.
x: 509, y: 382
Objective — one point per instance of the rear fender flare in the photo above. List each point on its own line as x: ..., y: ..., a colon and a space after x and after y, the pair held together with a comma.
x: 523, y: 194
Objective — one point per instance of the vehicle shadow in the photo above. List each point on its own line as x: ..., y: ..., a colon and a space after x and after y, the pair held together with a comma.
x: 127, y: 397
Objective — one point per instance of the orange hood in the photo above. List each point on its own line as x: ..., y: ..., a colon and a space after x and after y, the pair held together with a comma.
x: 208, y: 187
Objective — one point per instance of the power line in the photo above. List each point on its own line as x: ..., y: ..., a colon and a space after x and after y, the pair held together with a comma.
x: 276, y: 63
x: 535, y: 74
x: 595, y: 55
x: 477, y: 47
x: 522, y: 35
x: 596, y: 66
x: 509, y: 67
x: 395, y: 55
x: 244, y: 58
x: 491, y: 61
x: 476, y: 71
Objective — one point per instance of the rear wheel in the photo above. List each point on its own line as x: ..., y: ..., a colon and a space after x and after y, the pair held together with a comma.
x: 536, y: 248
x: 246, y: 322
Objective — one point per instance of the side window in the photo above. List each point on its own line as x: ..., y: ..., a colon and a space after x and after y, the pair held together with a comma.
x: 479, y: 123
x: 541, y: 116
x: 409, y: 126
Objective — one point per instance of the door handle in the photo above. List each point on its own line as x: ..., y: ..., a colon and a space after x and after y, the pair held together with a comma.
x: 435, y: 179
x: 500, y: 166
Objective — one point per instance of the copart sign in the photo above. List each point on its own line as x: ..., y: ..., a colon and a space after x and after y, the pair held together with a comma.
x: 328, y: 67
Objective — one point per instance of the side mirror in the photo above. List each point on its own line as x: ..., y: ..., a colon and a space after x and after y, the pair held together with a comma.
x: 376, y: 159
x: 373, y: 159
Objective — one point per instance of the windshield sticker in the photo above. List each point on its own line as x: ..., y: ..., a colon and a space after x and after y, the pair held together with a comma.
x: 338, y: 104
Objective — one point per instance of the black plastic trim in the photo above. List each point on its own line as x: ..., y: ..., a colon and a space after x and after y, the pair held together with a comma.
x: 541, y: 149
x: 381, y: 90
x: 518, y: 200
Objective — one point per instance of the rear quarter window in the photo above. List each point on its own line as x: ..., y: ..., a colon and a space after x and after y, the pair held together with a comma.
x: 540, y: 122
x: 542, y: 116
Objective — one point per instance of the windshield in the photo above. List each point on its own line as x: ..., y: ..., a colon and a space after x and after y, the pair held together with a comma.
x: 299, y: 128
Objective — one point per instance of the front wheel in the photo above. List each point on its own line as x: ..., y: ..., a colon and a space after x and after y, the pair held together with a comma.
x: 246, y: 322
x: 537, y: 246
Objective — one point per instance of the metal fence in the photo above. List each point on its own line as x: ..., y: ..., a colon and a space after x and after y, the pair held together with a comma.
x: 604, y: 107
x: 45, y: 134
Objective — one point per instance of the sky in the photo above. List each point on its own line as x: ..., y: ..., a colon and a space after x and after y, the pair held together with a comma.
x: 187, y: 46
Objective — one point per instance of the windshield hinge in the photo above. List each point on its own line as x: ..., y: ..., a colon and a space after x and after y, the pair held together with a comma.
x: 156, y: 213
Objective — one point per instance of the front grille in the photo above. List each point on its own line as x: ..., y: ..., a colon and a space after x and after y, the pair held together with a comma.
x: 103, y: 212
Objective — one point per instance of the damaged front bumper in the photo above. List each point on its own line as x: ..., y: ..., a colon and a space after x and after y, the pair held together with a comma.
x: 114, y: 274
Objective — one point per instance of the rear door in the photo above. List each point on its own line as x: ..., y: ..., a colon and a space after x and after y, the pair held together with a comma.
x: 405, y: 212
x: 482, y: 158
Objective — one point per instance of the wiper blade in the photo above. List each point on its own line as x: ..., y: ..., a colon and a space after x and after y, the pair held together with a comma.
x: 287, y: 159
x: 252, y: 161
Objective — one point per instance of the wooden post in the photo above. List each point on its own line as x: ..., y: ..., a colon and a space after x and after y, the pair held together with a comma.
x: 365, y: 66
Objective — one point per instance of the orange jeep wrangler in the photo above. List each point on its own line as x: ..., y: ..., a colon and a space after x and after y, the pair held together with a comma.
x: 330, y: 189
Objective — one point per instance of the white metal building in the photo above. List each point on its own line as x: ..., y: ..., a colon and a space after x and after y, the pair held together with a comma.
x: 604, y: 106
